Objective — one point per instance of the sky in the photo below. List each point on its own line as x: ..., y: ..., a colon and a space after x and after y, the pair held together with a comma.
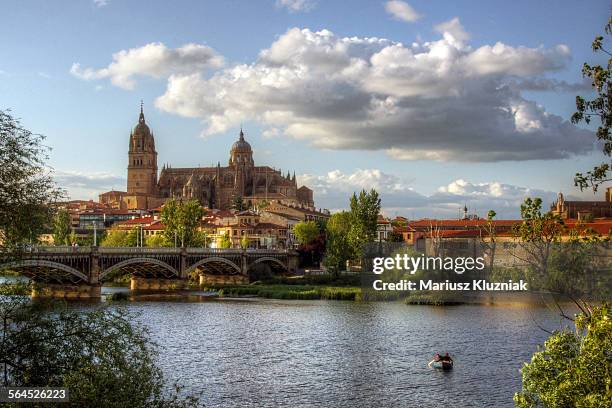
x: 436, y: 104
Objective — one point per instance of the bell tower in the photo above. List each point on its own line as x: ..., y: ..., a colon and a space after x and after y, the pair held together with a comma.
x: 142, y: 159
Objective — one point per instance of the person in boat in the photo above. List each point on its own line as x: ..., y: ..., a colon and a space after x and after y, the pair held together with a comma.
x: 436, y: 360
x: 445, y: 362
x: 446, y: 358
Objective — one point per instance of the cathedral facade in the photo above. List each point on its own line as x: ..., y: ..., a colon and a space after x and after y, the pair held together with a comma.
x: 215, y: 187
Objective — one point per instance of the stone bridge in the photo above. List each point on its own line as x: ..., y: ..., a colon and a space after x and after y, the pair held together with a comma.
x: 81, y: 271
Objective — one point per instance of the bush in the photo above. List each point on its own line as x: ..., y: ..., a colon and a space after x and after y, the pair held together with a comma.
x: 574, y: 369
x: 100, y: 356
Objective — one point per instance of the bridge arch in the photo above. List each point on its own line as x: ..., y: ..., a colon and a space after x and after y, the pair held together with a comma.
x: 131, y: 261
x: 211, y: 260
x: 266, y: 259
x: 41, y: 263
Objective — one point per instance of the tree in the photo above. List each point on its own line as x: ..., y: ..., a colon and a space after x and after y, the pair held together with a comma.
x: 238, y: 204
x: 27, y: 189
x: 181, y: 220
x: 599, y: 107
x: 116, y: 237
x: 338, y: 247
x: 225, y: 241
x: 537, y: 235
x: 100, y: 356
x: 364, y: 215
x: 395, y: 236
x: 574, y: 369
x: 488, y: 239
x: 156, y: 241
x: 61, y: 228
x: 306, y: 232
x: 244, y: 242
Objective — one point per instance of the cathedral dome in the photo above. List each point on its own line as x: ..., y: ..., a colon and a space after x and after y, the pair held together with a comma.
x: 141, y: 128
x: 241, y: 145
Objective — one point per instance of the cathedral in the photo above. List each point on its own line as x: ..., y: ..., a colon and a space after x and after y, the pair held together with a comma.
x: 215, y: 187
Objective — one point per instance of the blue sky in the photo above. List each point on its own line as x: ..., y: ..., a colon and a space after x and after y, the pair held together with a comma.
x: 417, y: 113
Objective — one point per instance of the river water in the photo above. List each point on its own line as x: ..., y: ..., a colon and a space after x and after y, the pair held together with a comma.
x: 343, y: 354
x: 255, y: 352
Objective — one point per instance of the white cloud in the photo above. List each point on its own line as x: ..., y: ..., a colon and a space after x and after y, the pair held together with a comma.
x: 296, y: 6
x: 438, y: 100
x: 153, y: 60
x: 271, y: 133
x: 88, y: 185
x: 101, y: 3
x: 333, y: 190
x: 452, y: 31
x: 402, y: 11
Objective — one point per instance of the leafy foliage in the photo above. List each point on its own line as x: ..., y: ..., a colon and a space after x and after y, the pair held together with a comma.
x: 224, y: 241
x: 339, y: 249
x: 598, y: 107
x: 306, y: 232
x: 61, y: 228
x: 26, y: 186
x: 100, y: 356
x: 574, y: 369
x: 538, y: 234
x: 116, y: 237
x: 365, y: 208
x: 238, y: 204
x: 181, y: 220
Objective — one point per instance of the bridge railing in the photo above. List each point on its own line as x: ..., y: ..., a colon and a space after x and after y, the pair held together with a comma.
x: 65, y: 249
x: 138, y: 250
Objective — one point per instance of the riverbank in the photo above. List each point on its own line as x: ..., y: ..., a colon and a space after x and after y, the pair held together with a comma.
x: 284, y: 291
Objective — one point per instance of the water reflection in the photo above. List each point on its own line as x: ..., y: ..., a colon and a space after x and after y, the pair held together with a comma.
x: 253, y: 352
x: 265, y: 353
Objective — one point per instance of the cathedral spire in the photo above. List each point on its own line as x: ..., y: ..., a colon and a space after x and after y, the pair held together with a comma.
x: 141, y: 119
x: 241, y: 134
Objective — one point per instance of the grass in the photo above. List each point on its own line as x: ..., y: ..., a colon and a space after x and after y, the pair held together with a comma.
x: 289, y: 291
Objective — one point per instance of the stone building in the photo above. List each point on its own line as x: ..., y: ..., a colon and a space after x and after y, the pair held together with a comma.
x: 583, y: 210
x: 215, y: 187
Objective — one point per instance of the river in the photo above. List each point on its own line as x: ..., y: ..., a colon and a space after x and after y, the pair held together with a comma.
x: 343, y: 354
x: 255, y: 352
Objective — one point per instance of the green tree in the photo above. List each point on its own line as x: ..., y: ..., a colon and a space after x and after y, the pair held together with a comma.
x: 100, y: 356
x: 181, y: 221
x: 338, y: 247
x: 600, y: 107
x: 306, y: 232
x: 156, y: 241
x: 27, y: 189
x: 395, y: 236
x: 244, y: 242
x: 365, y: 208
x: 116, y: 237
x: 574, y: 369
x: 238, y: 203
x: 537, y: 235
x: 225, y: 241
x: 61, y: 228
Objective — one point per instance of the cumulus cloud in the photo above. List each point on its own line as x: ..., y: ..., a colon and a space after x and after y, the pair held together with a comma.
x: 398, y: 197
x: 441, y: 100
x: 437, y: 100
x: 296, y: 6
x: 401, y: 10
x: 88, y: 185
x: 152, y: 60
